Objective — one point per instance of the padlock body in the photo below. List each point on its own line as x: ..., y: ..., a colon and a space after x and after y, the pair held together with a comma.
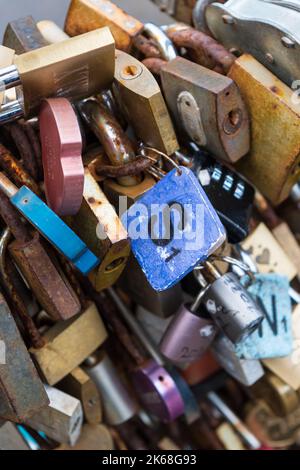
x: 188, y: 337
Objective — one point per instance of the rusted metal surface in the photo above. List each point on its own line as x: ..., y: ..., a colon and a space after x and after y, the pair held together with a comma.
x: 130, y: 169
x: 22, y: 393
x: 23, y: 145
x: 146, y: 47
x: 204, y: 50
x: 70, y: 272
x: 33, y: 137
x: 7, y: 271
x: 15, y: 170
x: 55, y: 296
x: 154, y: 64
x: 266, y: 211
x: 115, y: 141
x: 12, y: 218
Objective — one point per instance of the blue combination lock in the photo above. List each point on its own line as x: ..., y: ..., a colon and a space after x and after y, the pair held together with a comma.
x: 173, y: 227
x: 274, y: 337
x: 50, y: 226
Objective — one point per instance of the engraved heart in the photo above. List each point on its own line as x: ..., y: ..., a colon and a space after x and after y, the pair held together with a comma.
x: 264, y: 258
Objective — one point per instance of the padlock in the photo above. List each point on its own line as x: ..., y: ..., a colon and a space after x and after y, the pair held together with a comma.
x: 199, y: 15
x: 164, y: 45
x: 200, y: 48
x: 69, y: 343
x: 51, y: 32
x: 98, y: 225
x: 50, y: 71
x: 162, y: 304
x: 154, y: 326
x: 22, y: 35
x: 22, y: 393
x: 273, y: 338
x: 189, y: 334
x: 268, y: 255
x: 280, y: 230
x: 154, y: 241
x: 281, y: 398
x: 140, y: 98
x: 230, y: 194
x: 87, y: 15
x: 250, y: 439
x: 229, y: 438
x: 244, y: 371
x: 288, y: 368
x: 201, y: 370
x: 274, y: 431
x: 7, y: 57
x: 50, y: 225
x: 79, y: 385
x: 267, y: 29
x: 61, y: 420
x: 92, y: 437
x: 61, y: 151
x: 52, y: 291
x: 11, y: 439
x: 230, y: 306
x: 208, y: 108
x: 267, y: 98
x: 118, y: 405
x: 156, y: 387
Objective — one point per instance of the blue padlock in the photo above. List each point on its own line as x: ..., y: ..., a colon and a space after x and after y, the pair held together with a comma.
x: 173, y: 227
x: 54, y: 230
x: 274, y: 336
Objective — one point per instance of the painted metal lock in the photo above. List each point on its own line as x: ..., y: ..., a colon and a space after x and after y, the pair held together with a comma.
x: 61, y: 420
x: 166, y: 258
x: 69, y: 343
x: 79, y: 385
x: 269, y: 100
x: 267, y: 254
x: 87, y: 15
x: 189, y: 334
x: 267, y: 29
x: 141, y: 100
x: 244, y: 371
x: 61, y: 151
x: 49, y: 71
x: 230, y: 194
x: 100, y: 228
x: 50, y: 226
x: 22, y: 35
x: 160, y: 304
x: 208, y: 108
x: 273, y: 338
x: 118, y: 404
x: 230, y: 306
x: 21, y: 391
x: 288, y: 368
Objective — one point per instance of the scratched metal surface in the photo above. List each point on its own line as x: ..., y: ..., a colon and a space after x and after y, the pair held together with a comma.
x: 56, y: 10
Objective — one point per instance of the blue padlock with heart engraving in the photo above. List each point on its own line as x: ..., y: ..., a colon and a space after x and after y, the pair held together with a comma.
x: 173, y: 227
x: 50, y: 226
x: 273, y: 338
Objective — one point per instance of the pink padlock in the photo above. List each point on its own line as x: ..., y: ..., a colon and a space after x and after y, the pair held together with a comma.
x: 62, y: 161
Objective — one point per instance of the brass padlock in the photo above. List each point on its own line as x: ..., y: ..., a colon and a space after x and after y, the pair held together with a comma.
x: 268, y: 254
x: 98, y: 225
x: 208, y: 108
x: 50, y: 70
x: 51, y: 32
x: 21, y: 391
x: 22, y: 35
x: 7, y: 56
x: 61, y: 420
x: 79, y: 385
x: 69, y: 343
x: 272, y: 164
x: 87, y: 15
x: 140, y: 98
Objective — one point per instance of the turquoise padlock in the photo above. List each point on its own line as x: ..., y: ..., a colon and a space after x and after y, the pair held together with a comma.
x: 273, y: 338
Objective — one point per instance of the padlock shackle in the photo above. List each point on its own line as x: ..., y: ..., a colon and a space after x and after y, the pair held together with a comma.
x: 6, y: 186
x: 9, y: 78
x: 164, y: 44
